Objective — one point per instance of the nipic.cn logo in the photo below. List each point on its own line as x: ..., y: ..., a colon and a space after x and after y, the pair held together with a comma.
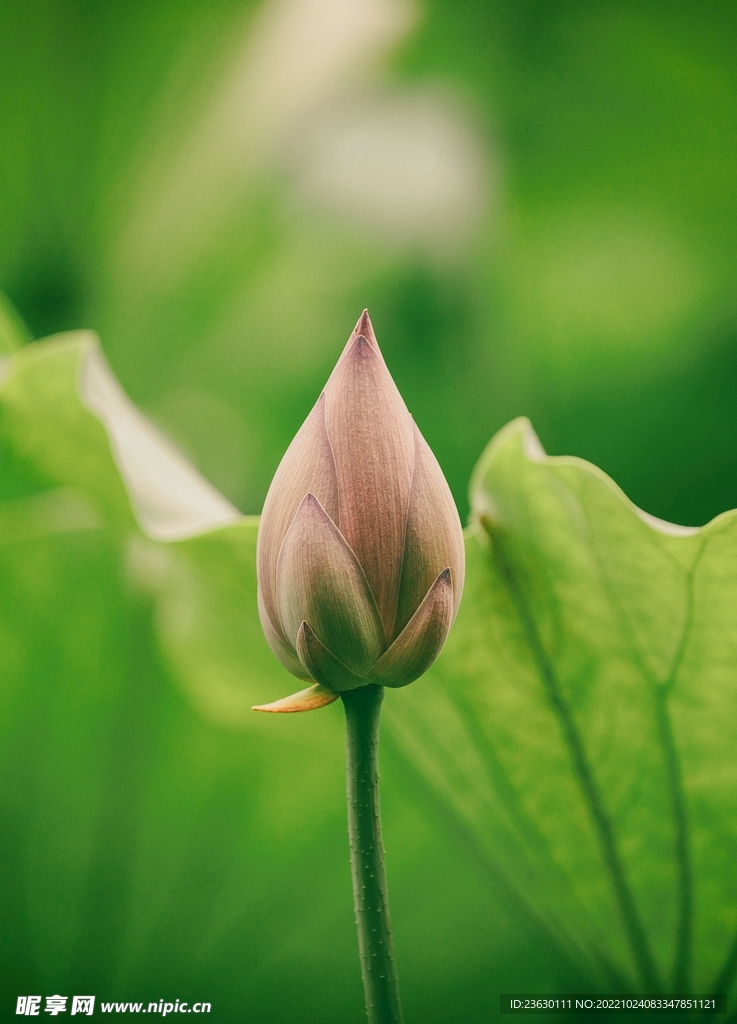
x: 29, y: 1006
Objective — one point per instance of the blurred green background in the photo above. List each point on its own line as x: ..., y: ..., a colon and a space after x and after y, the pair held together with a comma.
x: 536, y: 202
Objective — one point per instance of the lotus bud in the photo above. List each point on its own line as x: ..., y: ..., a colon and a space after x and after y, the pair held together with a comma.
x: 360, y: 550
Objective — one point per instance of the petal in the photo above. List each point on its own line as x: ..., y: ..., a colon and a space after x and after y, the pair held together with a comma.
x: 307, y: 466
x: 422, y: 639
x: 306, y: 700
x: 363, y: 328
x: 319, y: 580
x: 434, y: 536
x: 322, y: 664
x: 281, y: 649
x: 370, y: 433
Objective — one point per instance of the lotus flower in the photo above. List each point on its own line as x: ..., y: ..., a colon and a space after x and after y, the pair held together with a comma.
x: 360, y: 550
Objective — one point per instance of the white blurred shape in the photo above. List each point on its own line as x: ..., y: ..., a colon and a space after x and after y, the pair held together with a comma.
x: 169, y: 497
x: 407, y: 165
x: 296, y: 55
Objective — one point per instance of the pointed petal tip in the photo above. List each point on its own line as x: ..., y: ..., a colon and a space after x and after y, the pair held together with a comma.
x: 310, y: 699
x: 421, y: 640
x: 312, y: 510
x: 310, y: 505
x: 362, y: 352
x: 364, y: 329
x: 446, y: 581
x: 359, y: 345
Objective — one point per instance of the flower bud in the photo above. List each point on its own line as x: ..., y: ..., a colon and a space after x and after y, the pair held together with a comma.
x: 360, y: 548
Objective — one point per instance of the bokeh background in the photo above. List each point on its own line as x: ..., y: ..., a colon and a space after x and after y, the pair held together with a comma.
x: 536, y: 201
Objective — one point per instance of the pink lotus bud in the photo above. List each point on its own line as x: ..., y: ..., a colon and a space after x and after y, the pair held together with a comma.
x: 360, y: 550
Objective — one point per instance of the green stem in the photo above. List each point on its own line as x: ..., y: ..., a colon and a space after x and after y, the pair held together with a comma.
x: 370, y: 898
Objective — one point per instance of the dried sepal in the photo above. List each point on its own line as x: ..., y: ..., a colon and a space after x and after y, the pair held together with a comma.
x: 310, y: 699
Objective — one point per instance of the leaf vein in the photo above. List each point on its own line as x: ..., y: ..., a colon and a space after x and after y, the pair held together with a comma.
x: 634, y: 931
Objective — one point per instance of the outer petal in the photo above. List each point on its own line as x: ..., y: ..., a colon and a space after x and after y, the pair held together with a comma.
x: 421, y: 641
x: 322, y: 664
x: 370, y: 433
x: 319, y: 580
x: 306, y: 700
x: 307, y: 466
x: 279, y: 646
x: 434, y: 536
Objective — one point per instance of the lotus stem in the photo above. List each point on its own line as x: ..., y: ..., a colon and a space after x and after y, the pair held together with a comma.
x: 370, y: 897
